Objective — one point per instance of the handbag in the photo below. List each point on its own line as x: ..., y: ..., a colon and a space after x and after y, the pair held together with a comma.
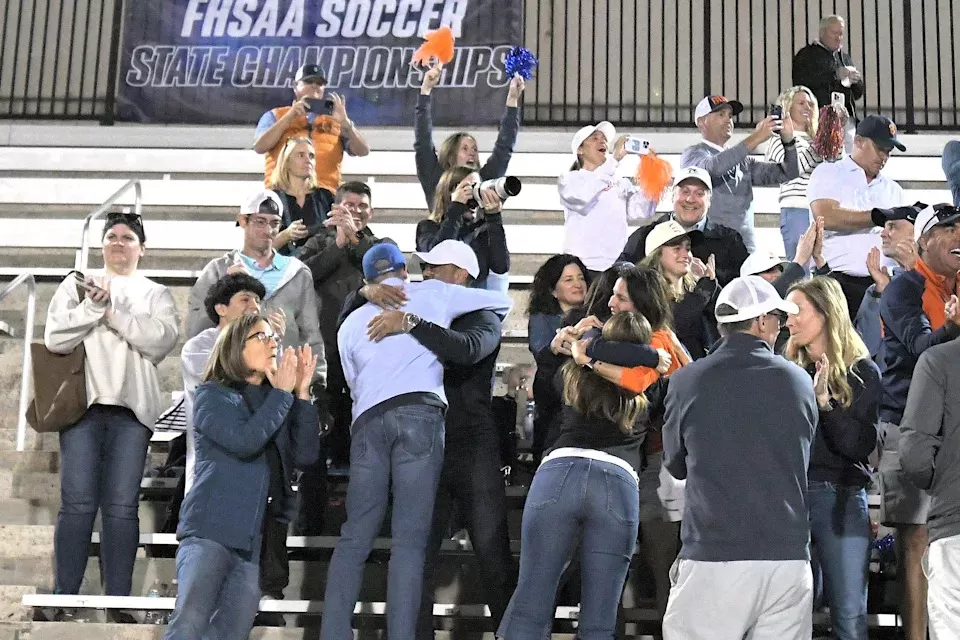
x: 59, y: 386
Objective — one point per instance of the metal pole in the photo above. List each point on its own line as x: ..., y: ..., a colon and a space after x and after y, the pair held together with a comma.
x: 81, y: 262
x: 28, y: 280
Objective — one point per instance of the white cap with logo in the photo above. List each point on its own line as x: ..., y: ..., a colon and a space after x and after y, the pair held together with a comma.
x: 934, y: 216
x: 751, y: 297
x: 693, y: 173
x: 662, y: 234
x: 452, y: 252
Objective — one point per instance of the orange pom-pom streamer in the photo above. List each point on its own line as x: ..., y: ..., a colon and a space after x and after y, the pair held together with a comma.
x: 828, y: 141
x: 437, y: 47
x: 654, y: 175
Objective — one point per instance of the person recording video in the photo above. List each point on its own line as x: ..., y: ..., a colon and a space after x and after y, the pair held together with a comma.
x: 322, y: 119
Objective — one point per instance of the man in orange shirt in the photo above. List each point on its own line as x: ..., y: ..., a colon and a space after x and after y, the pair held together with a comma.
x: 312, y: 116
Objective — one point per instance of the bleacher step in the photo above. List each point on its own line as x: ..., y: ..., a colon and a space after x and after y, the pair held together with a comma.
x: 99, y: 631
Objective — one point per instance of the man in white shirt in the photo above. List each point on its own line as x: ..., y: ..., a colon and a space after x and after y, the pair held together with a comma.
x: 397, y: 436
x: 844, y: 194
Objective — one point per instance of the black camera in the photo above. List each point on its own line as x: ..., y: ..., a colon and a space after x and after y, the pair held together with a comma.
x: 504, y: 187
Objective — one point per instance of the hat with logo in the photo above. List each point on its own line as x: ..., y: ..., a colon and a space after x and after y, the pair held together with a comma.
x: 382, y: 258
x: 909, y: 213
x: 310, y: 73
x: 761, y: 261
x: 667, y: 233
x: 609, y: 132
x: 693, y: 173
x: 937, y: 215
x: 751, y: 297
x: 452, y: 252
x: 714, y: 103
x: 881, y: 130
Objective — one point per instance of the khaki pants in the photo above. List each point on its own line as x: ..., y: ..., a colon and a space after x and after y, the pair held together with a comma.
x: 750, y: 599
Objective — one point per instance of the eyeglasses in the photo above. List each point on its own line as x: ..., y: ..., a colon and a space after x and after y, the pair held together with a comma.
x: 262, y: 223
x: 264, y: 337
x: 781, y: 318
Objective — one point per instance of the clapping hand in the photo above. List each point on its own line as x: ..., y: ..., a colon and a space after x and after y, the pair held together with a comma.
x: 879, y: 273
x: 701, y: 269
x: 284, y: 376
x: 952, y: 310
x: 820, y: 385
x: 306, y: 366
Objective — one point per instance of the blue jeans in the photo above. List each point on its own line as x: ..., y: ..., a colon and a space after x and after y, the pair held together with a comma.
x: 840, y: 531
x: 794, y: 221
x: 570, y: 499
x: 402, y: 448
x: 101, y: 465
x: 218, y: 592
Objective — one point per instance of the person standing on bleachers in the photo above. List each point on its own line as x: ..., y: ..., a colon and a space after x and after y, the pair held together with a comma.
x: 325, y: 122
x: 460, y: 149
x: 254, y: 403
x: 825, y: 68
x: 919, y: 310
x: 598, y: 198
x: 744, y: 563
x: 733, y: 172
x: 844, y: 194
x: 305, y: 207
x: 691, y: 200
x: 127, y: 325
x: 951, y: 168
x: 397, y: 443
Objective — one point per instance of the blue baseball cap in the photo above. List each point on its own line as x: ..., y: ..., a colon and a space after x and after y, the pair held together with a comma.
x: 382, y: 258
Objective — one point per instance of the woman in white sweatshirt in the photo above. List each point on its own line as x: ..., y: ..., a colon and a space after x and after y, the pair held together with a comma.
x: 598, y: 200
x: 127, y: 325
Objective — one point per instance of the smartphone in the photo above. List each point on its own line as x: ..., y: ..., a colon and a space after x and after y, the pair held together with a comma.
x: 777, y: 112
x: 82, y: 282
x: 324, y: 108
x: 837, y: 99
x: 637, y: 145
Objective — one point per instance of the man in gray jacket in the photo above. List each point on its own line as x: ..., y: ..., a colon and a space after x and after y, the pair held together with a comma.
x: 733, y: 172
x: 744, y: 566
x: 930, y: 457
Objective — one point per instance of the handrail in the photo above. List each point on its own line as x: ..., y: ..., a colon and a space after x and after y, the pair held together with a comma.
x: 31, y: 283
x: 81, y: 262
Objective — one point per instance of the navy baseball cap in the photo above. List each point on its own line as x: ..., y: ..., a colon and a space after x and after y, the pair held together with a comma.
x: 382, y: 258
x: 909, y: 213
x: 881, y: 130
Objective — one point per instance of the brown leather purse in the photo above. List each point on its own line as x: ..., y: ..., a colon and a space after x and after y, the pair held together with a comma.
x: 59, y: 385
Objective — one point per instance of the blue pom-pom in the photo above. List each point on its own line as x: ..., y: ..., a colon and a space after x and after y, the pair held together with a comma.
x: 521, y: 61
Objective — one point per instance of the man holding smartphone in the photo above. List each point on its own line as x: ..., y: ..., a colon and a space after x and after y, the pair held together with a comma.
x: 323, y: 120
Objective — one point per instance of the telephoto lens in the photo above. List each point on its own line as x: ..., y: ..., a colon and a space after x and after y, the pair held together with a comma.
x: 504, y: 187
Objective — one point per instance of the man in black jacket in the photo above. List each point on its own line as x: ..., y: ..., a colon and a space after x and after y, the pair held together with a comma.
x: 691, y: 200
x: 471, y: 482
x: 824, y: 68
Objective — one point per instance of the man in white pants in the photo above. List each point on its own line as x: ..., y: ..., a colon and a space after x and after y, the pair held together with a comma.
x: 930, y: 441
x: 744, y: 567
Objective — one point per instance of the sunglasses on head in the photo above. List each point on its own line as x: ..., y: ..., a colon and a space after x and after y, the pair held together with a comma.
x: 129, y: 218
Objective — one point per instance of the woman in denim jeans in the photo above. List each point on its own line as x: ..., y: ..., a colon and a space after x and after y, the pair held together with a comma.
x: 847, y: 383
x: 585, y: 489
x: 127, y: 324
x: 246, y: 411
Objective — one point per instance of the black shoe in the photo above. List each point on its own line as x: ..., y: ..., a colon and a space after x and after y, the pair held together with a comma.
x: 120, y: 617
x: 269, y: 619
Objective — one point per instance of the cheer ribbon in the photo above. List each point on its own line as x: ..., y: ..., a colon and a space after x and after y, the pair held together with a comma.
x: 436, y: 48
x: 520, y: 61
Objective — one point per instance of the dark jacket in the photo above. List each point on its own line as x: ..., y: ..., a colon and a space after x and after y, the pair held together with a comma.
x: 847, y: 436
x: 486, y: 237
x: 428, y: 166
x: 724, y: 243
x: 815, y: 67
x: 694, y: 321
x: 930, y: 436
x: 906, y: 334
x: 738, y: 427
x: 313, y: 213
x: 232, y: 476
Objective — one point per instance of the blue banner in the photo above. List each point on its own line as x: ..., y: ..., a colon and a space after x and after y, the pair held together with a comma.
x: 229, y: 61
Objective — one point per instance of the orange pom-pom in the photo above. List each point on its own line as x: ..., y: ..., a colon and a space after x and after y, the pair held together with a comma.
x: 437, y: 47
x: 654, y: 175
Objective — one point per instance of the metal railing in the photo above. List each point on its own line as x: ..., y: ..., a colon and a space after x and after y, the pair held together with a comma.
x: 83, y: 256
x: 30, y: 316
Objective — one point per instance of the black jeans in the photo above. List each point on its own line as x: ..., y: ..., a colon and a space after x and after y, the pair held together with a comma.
x: 471, y: 482
x: 274, y: 564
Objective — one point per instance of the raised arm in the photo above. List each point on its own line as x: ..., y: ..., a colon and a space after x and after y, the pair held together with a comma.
x: 425, y: 154
x: 496, y: 165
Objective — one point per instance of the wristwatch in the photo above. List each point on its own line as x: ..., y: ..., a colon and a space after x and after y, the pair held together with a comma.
x: 591, y: 363
x: 410, y: 321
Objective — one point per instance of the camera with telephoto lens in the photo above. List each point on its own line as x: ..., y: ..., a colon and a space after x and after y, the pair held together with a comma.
x: 503, y: 187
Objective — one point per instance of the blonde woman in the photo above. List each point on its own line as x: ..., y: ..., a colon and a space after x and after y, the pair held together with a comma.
x: 691, y: 283
x: 847, y: 384
x: 294, y: 179
x: 585, y: 489
x: 457, y: 216
x: 800, y: 106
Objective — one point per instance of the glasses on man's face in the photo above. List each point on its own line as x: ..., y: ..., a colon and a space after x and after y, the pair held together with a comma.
x: 264, y: 337
x: 263, y: 223
x: 781, y: 318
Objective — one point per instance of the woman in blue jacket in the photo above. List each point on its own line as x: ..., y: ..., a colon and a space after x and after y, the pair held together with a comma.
x: 249, y: 410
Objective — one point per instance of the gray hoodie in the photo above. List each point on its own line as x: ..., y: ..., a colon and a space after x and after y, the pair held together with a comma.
x: 294, y: 294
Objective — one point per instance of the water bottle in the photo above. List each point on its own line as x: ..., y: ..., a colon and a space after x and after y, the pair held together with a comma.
x: 528, y: 420
x: 156, y: 591
x: 171, y: 593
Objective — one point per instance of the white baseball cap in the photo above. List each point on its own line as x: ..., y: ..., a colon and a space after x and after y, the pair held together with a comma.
x: 662, y: 234
x: 609, y: 132
x: 757, y: 263
x: 695, y: 173
x: 452, y: 252
x: 255, y: 204
x: 934, y: 216
x: 714, y: 103
x: 752, y: 296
